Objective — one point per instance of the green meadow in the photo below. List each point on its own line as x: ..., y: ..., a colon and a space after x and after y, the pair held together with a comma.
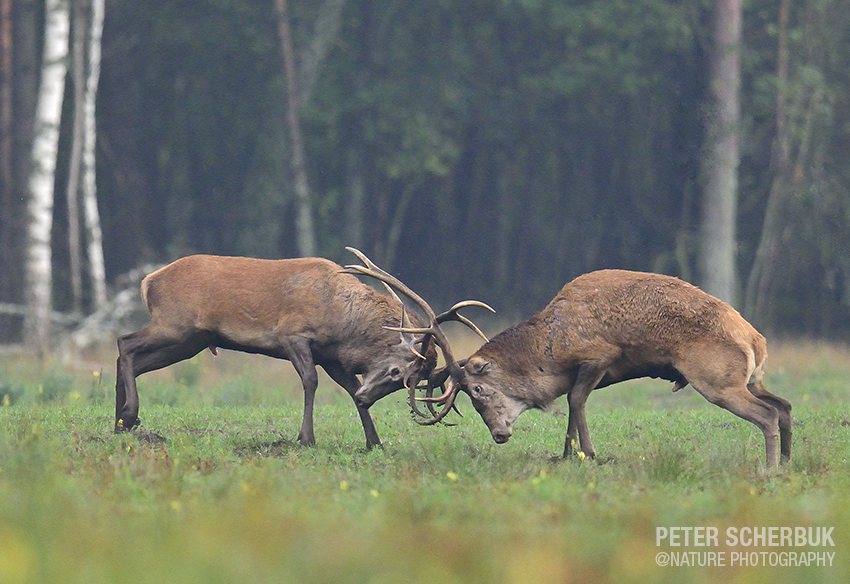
x: 214, y: 488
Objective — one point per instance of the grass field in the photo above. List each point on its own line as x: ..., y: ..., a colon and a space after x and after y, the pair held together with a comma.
x: 229, y: 496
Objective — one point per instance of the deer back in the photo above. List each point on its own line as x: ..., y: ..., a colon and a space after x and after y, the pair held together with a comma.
x: 646, y: 322
x: 651, y: 319
x: 252, y: 302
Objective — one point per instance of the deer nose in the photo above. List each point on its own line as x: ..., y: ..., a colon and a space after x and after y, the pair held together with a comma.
x: 362, y: 399
x: 501, y: 436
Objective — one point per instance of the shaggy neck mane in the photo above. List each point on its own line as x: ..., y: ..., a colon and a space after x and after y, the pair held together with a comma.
x: 514, y: 349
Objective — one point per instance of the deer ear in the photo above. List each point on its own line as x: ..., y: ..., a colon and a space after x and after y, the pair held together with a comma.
x: 478, y: 366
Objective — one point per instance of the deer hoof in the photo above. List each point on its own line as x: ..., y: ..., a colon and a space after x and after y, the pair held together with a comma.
x: 126, y: 425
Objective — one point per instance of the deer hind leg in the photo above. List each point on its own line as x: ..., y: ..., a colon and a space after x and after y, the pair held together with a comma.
x: 144, y: 351
x: 578, y: 434
x: 783, y: 408
x: 348, y: 381
x: 738, y: 400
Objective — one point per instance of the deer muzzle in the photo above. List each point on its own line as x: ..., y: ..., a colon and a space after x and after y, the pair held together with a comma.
x: 501, y: 435
x: 363, y: 399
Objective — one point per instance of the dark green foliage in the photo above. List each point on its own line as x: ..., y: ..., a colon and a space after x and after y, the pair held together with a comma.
x: 490, y: 148
x: 501, y: 147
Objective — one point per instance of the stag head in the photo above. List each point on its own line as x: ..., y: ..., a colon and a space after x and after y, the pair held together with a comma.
x: 424, y: 338
x: 397, y: 368
x: 480, y: 379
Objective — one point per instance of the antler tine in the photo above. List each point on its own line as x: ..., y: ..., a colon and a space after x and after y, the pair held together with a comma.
x: 464, y: 304
x: 412, y: 345
x: 448, y: 398
x: 436, y: 379
x: 452, y: 314
x: 410, y: 329
x: 366, y: 261
x: 437, y: 400
x: 370, y: 269
x: 411, y: 398
x: 393, y: 294
x: 428, y: 393
x: 448, y: 315
x: 403, y: 324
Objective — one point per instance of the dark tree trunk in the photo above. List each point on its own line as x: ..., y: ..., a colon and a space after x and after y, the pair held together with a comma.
x: 304, y: 217
x: 7, y: 179
x: 720, y: 194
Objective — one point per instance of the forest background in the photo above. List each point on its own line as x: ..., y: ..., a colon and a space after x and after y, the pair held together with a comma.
x: 492, y: 149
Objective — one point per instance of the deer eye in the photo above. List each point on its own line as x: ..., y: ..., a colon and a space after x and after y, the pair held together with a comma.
x: 395, y: 372
x: 477, y: 390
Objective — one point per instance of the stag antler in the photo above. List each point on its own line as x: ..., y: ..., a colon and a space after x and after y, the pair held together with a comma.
x: 370, y: 268
x: 452, y: 314
x: 452, y: 368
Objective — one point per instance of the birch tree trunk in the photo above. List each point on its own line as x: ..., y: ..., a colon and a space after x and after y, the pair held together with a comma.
x: 97, y: 270
x: 720, y: 195
x: 41, y: 182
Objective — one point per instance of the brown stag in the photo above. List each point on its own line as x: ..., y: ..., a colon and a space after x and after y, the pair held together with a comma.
x: 304, y: 310
x: 610, y: 326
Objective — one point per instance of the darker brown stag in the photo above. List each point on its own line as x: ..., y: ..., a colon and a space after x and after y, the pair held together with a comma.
x: 610, y: 326
x: 307, y: 311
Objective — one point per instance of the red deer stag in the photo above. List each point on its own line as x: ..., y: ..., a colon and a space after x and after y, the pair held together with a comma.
x: 305, y: 310
x: 609, y: 326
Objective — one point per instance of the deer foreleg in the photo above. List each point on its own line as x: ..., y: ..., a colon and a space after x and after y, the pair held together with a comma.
x: 578, y: 434
x: 297, y: 350
x: 349, y: 382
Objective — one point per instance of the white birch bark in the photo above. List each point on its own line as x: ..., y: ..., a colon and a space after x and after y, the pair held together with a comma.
x: 97, y: 270
x: 41, y: 181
